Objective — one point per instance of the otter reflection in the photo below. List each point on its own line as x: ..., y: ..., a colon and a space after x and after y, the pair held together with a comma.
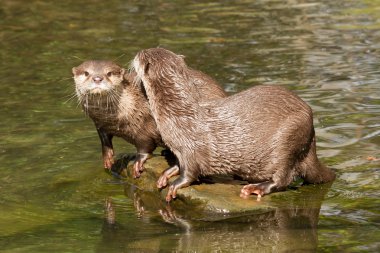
x: 291, y: 227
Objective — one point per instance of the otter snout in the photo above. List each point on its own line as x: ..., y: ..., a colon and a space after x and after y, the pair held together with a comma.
x: 97, y: 79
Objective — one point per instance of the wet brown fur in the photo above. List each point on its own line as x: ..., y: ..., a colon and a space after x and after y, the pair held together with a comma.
x: 122, y: 110
x: 264, y: 134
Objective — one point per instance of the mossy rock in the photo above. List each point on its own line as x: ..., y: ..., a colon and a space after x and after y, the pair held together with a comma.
x: 214, y: 198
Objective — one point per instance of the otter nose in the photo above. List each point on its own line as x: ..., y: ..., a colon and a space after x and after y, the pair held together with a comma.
x: 97, y: 79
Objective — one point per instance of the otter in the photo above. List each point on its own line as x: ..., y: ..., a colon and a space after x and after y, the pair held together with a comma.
x: 264, y: 135
x: 118, y: 108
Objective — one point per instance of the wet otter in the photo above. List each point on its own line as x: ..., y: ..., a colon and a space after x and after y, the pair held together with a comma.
x: 120, y: 109
x: 264, y: 135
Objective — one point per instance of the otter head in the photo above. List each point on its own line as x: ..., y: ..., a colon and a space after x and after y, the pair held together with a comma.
x: 158, y: 64
x: 97, y: 78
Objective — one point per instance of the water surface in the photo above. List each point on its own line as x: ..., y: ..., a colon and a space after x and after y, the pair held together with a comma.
x: 52, y: 186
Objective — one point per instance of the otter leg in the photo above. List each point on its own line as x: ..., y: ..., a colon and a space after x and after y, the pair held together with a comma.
x: 312, y: 171
x: 166, y: 175
x: 185, y: 179
x: 283, y: 172
x: 289, y: 146
x: 107, y: 148
x: 281, y: 178
x: 138, y: 166
x: 166, y: 152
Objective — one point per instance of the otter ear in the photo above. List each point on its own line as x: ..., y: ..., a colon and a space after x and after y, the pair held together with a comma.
x: 74, y: 71
x: 182, y: 57
x: 146, y: 68
x: 122, y: 71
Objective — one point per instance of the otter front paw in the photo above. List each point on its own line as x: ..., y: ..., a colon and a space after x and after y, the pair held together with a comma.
x: 138, y: 167
x: 166, y: 175
x: 162, y: 181
x: 180, y: 182
x: 108, y: 160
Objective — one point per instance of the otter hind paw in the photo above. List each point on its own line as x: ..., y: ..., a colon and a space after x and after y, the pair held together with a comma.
x: 259, y: 189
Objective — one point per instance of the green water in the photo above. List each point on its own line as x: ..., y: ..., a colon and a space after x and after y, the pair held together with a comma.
x: 52, y: 185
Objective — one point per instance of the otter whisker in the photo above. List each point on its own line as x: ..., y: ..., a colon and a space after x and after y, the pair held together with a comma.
x: 111, y: 100
x: 130, y: 68
x: 79, y: 103
x: 99, y: 100
x: 64, y: 79
x: 77, y: 57
x: 107, y: 103
x: 72, y: 97
x: 118, y: 105
x: 86, y: 107
x: 114, y: 101
x: 117, y: 58
x: 69, y: 95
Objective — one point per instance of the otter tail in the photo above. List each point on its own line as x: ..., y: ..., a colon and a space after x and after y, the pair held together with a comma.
x: 312, y: 171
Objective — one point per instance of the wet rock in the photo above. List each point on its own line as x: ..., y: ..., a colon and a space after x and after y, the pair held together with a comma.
x: 215, y: 198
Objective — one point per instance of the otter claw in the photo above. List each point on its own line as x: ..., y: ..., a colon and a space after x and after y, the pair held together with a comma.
x: 138, y: 167
x: 108, y: 159
x: 107, y: 163
x: 171, y: 194
x: 166, y: 175
x: 162, y: 182
x: 247, y: 190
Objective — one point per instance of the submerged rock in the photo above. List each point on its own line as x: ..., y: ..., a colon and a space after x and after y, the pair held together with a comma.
x: 214, y: 198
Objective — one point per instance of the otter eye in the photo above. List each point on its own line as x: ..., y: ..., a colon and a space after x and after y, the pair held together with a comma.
x: 86, y: 73
x: 109, y: 74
